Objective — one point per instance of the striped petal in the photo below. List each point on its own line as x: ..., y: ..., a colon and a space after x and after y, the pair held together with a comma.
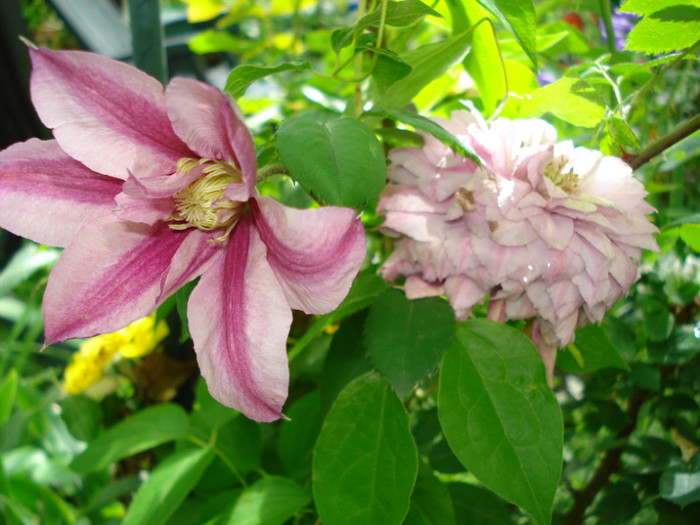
x: 211, y: 124
x: 314, y: 253
x: 239, y: 320
x: 47, y: 196
x: 108, y: 115
x: 112, y: 274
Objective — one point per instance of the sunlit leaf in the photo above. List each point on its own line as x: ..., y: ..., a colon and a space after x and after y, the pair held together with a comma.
x: 668, y: 25
x: 428, y: 62
x: 570, y: 98
x: 679, y: 485
x: 518, y: 16
x: 242, y: 76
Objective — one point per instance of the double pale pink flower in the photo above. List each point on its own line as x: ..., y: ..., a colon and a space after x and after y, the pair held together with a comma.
x: 148, y: 190
x: 548, y: 231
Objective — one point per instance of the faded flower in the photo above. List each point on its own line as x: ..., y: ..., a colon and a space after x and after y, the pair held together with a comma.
x: 546, y: 230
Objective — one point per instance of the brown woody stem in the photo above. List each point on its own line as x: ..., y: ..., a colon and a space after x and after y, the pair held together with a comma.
x: 663, y: 143
x: 609, y: 464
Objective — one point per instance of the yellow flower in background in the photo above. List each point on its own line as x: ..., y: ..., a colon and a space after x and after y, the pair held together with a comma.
x: 136, y: 340
x: 143, y: 336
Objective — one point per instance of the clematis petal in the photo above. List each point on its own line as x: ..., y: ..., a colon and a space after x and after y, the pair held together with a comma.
x: 314, y: 253
x: 108, y: 115
x: 211, y: 124
x: 239, y: 321
x: 111, y: 275
x: 47, y: 196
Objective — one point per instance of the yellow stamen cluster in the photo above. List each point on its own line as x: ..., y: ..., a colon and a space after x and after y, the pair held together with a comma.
x: 202, y: 204
x: 89, y: 362
x: 566, y: 180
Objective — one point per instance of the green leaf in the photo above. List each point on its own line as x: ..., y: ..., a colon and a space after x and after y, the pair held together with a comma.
x: 365, y: 460
x: 297, y: 436
x: 145, y: 429
x: 648, y: 7
x: 428, y: 62
x: 428, y: 126
x: 213, y: 41
x: 430, y: 501
x: 243, y: 76
x: 690, y: 233
x: 364, y: 289
x: 406, y: 339
x: 210, y: 511
x: 679, y: 485
x: 388, y: 71
x: 658, y: 320
x: 27, y: 260
x: 518, y: 16
x: 618, y: 503
x: 681, y: 346
x: 213, y: 413
x: 484, y: 61
x: 119, y: 488
x: 622, y: 133
x: 500, y: 417
x: 345, y: 359
x: 591, y: 350
x: 240, y: 441
x: 182, y: 297
x: 167, y: 486
x: 8, y: 390
x: 398, y: 14
x: 269, y: 501
x: 341, y: 161
x: 668, y: 25
x: 477, y: 505
x: 82, y: 415
x: 570, y: 98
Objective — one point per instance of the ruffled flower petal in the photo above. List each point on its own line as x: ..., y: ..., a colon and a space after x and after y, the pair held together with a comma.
x: 47, y: 196
x: 548, y: 230
x: 239, y: 320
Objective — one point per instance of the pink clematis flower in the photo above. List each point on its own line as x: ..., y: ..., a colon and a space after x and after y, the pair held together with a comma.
x: 548, y: 231
x: 148, y: 189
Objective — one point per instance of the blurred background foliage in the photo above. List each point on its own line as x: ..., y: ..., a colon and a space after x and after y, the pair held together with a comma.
x: 628, y: 390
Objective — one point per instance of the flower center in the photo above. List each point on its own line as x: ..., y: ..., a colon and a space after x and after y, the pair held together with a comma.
x: 202, y: 203
x: 566, y: 180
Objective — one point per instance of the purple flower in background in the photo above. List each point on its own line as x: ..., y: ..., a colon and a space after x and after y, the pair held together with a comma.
x: 622, y: 24
x: 549, y: 231
x: 148, y: 190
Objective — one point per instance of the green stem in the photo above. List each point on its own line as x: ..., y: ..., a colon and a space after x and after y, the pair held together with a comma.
x: 147, y: 38
x: 270, y: 170
x: 663, y: 143
x: 361, y: 6
x: 606, y: 13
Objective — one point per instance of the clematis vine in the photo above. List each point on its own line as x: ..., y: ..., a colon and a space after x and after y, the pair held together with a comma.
x: 547, y: 231
x: 148, y: 189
